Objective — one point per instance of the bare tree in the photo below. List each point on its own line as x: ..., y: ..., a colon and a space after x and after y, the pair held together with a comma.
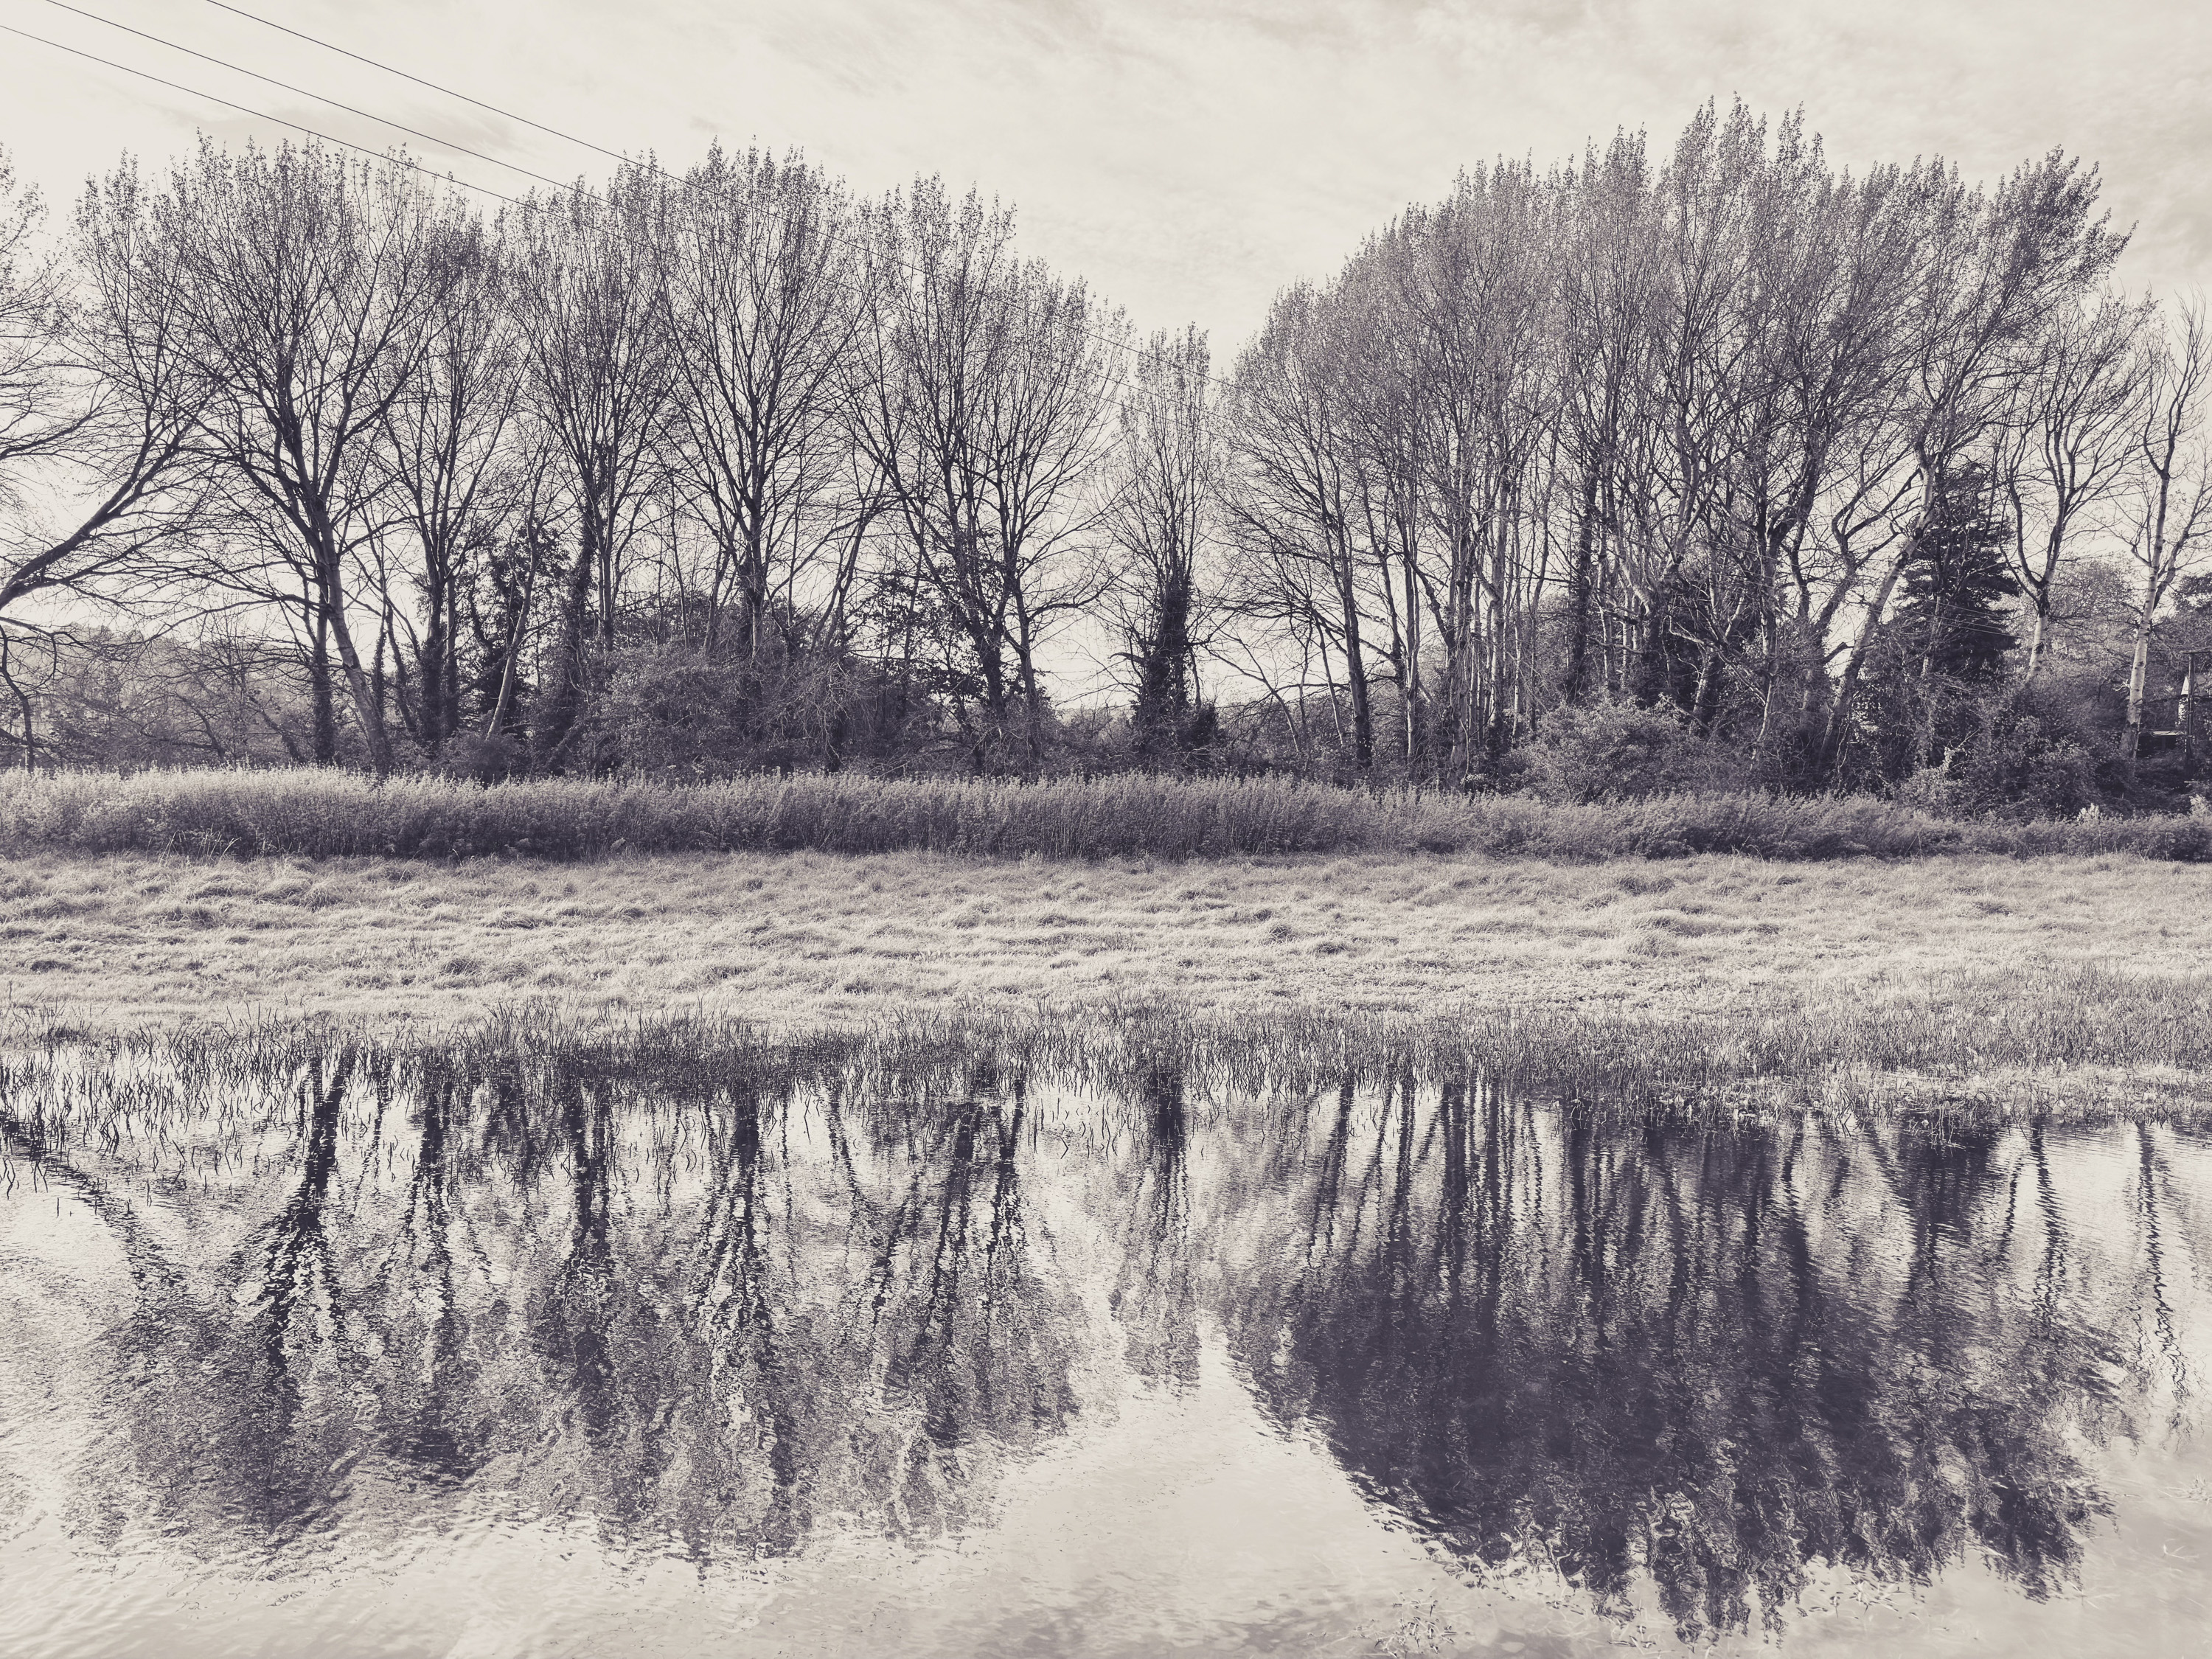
x: 1386, y: 446
x: 980, y: 401
x: 1609, y: 278
x: 94, y: 428
x: 1991, y: 272
x: 1297, y: 568
x: 448, y: 457
x: 303, y: 287
x: 761, y: 277
x: 2070, y: 443
x: 1682, y: 576
x: 599, y: 362
x: 1162, y: 520
x: 2172, y: 509
x: 1816, y: 462
x: 1480, y: 305
x: 1048, y: 432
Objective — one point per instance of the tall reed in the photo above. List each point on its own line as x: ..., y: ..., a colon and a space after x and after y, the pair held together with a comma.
x: 319, y: 813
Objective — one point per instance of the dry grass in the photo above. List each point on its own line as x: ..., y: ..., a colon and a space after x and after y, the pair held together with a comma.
x: 334, y: 814
x: 807, y: 938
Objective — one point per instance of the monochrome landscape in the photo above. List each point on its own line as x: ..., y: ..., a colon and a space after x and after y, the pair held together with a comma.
x: 729, y: 923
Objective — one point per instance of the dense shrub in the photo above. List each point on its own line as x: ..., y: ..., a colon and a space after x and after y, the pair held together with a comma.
x: 1615, y: 750
x: 2024, y: 761
x: 685, y: 713
x: 2023, y: 758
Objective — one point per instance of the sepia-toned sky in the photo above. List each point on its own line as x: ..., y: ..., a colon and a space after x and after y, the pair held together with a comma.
x: 1187, y: 156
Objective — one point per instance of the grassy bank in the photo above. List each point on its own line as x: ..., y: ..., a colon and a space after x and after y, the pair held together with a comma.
x: 1977, y: 968
x: 321, y: 814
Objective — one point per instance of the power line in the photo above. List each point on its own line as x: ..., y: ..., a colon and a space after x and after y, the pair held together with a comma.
x: 556, y: 132
x: 417, y: 132
x: 315, y: 132
x: 302, y: 92
x: 505, y: 115
x: 577, y: 189
x: 262, y: 115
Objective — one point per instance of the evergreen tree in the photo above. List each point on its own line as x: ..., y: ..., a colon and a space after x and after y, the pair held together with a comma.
x: 1959, y: 582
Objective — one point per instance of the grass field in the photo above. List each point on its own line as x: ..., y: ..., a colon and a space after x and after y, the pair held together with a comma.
x: 1973, y: 963
x: 807, y: 936
x: 1825, y: 936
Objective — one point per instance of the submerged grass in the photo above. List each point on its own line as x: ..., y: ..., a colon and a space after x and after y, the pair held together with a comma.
x: 319, y: 813
x: 2063, y: 1048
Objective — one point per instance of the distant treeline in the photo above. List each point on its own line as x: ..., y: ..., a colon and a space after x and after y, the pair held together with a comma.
x: 1715, y: 468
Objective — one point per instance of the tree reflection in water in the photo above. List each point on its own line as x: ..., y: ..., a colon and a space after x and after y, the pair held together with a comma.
x: 728, y: 1307
x: 251, y: 1383
x: 1620, y: 1346
x: 1154, y: 1295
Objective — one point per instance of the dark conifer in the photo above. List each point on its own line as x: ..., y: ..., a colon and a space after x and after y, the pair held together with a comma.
x: 1959, y: 583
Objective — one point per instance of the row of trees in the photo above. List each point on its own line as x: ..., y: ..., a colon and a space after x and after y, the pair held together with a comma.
x: 1720, y: 434
x: 732, y: 468
x: 464, y: 463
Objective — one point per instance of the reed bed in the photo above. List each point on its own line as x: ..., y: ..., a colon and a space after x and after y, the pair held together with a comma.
x: 321, y: 813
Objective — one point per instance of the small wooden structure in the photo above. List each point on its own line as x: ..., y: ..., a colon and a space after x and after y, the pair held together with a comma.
x: 2179, y: 720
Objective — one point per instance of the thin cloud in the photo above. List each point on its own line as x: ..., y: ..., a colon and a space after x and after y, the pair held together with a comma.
x: 1189, y: 159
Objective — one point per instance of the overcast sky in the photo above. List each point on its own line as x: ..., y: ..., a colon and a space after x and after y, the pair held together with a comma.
x: 1187, y: 158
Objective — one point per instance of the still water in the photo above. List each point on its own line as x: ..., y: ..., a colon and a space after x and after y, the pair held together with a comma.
x: 340, y: 1353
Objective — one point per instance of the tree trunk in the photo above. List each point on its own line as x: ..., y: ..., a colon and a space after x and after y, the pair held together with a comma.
x: 1832, y: 740
x: 438, y: 666
x: 603, y: 558
x: 564, y: 706
x: 364, y: 695
x: 2036, y: 637
x: 2139, y: 674
x: 755, y: 594
x: 1362, y: 716
x: 1032, y: 698
x: 30, y: 733
x: 1412, y: 688
x: 318, y: 686
x: 1578, y: 599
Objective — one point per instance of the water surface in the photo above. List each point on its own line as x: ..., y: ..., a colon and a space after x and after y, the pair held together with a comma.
x: 489, y: 1354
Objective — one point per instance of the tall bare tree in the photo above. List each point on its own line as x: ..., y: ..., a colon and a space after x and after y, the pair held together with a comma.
x: 2070, y: 443
x: 1610, y: 278
x: 448, y: 456
x: 599, y: 364
x: 2173, y: 506
x: 1162, y: 522
x: 1298, y: 569
x: 1480, y: 303
x: 980, y: 400
x: 1386, y: 447
x: 302, y: 287
x: 95, y: 430
x: 1992, y: 271
x: 762, y: 281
